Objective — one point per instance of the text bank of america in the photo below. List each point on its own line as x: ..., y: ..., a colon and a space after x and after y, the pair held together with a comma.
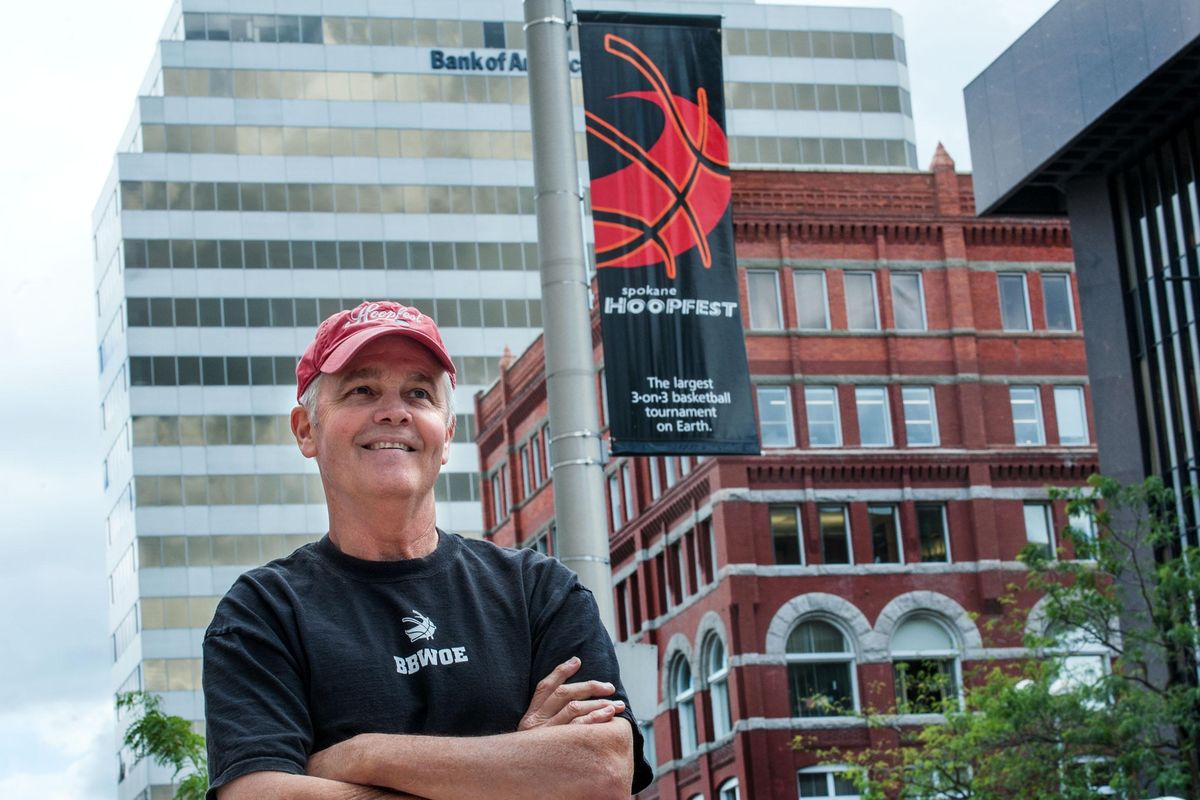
x: 292, y: 158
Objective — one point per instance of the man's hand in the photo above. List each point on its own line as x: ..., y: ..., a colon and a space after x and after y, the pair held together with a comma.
x: 556, y: 702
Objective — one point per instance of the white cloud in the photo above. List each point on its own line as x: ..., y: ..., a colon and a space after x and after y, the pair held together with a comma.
x: 58, y: 751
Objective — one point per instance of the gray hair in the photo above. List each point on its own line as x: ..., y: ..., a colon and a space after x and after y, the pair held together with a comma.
x: 309, y: 398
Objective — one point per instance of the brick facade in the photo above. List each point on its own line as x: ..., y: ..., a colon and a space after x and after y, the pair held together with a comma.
x: 823, y: 535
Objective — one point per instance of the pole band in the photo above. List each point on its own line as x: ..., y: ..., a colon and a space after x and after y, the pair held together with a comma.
x: 546, y: 21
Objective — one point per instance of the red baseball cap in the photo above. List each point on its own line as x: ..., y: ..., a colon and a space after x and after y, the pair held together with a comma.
x: 346, y: 332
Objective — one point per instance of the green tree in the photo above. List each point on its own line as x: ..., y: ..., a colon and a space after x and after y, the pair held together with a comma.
x: 168, y: 740
x: 1063, y: 725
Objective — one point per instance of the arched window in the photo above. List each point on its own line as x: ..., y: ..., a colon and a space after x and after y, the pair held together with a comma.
x: 827, y: 781
x: 716, y: 677
x: 683, y: 693
x: 820, y: 670
x: 1082, y: 658
x: 729, y: 790
x: 925, y: 666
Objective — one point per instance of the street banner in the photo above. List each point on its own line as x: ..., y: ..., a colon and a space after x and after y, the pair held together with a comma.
x: 675, y: 358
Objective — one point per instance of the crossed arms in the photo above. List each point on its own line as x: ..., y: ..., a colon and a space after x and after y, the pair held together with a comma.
x: 569, y: 744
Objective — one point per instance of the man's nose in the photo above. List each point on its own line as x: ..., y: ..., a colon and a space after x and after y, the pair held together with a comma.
x: 393, y: 410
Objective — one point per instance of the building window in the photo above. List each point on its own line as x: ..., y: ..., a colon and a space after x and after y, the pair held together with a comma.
x: 1083, y: 533
x: 1080, y: 657
x: 683, y: 693
x: 820, y: 671
x: 785, y: 535
x: 762, y: 289
x: 648, y: 749
x: 716, y: 675
x: 824, y: 423
x: 1027, y: 416
x: 1071, y: 413
x: 812, y: 301
x: 925, y: 667
x: 827, y: 782
x: 1014, y: 302
x: 630, y: 489
x: 614, y: 500
x: 728, y: 790
x: 920, y: 416
x: 1038, y: 530
x: 775, y: 416
x: 835, y: 537
x: 672, y: 475
x: 874, y: 421
x: 862, y: 311
x: 527, y: 484
x: 655, y: 480
x: 932, y: 533
x: 908, y: 301
x: 885, y: 535
x: 1056, y: 294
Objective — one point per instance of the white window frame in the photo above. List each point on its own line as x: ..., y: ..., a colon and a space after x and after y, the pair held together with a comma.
x: 614, y: 499
x: 683, y: 699
x: 729, y: 790
x: 649, y: 750
x: 945, y: 532
x: 814, y: 395
x: 655, y: 480
x: 899, y: 532
x: 874, y: 299
x: 1000, y: 279
x: 931, y: 402
x: 953, y: 655
x: 1065, y: 278
x: 628, y: 490
x: 847, y: 656
x: 829, y: 770
x: 527, y: 486
x: 752, y: 277
x: 1075, y: 400
x: 845, y: 530
x: 1045, y: 513
x: 716, y: 678
x: 920, y: 298
x: 799, y: 532
x: 775, y: 396
x: 1039, y: 420
x: 859, y: 402
x: 824, y: 297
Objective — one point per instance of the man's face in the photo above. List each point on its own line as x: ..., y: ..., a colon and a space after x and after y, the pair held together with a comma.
x: 381, y: 423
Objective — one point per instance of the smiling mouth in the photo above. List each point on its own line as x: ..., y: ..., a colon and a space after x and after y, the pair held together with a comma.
x: 389, y: 446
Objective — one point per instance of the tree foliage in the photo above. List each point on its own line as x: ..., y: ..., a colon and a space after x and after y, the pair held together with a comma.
x: 1124, y: 724
x: 168, y: 740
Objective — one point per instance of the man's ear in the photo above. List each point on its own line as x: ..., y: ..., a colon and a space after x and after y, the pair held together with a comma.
x: 449, y: 439
x: 302, y: 429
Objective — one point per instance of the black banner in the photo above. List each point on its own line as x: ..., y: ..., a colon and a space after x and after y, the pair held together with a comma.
x: 675, y: 358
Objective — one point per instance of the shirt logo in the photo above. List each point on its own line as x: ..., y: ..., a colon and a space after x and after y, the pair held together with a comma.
x: 422, y: 627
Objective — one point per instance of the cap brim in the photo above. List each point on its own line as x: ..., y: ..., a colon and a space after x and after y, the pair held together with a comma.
x: 349, y: 347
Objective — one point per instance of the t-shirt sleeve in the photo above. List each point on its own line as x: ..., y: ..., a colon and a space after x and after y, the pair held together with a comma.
x: 256, y: 710
x: 569, y: 625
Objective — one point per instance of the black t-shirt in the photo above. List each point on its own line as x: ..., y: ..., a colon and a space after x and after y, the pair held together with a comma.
x: 315, y: 648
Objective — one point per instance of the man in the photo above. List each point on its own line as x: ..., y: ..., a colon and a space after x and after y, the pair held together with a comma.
x: 391, y: 659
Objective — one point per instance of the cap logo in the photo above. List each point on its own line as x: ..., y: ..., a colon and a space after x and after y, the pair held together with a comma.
x: 371, y: 312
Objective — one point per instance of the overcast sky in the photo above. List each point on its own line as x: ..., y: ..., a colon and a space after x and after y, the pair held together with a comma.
x: 70, y: 79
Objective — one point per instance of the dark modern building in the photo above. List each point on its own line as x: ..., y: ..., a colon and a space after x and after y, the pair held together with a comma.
x: 1092, y: 114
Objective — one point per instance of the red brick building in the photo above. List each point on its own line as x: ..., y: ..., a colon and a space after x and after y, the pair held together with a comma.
x: 920, y: 380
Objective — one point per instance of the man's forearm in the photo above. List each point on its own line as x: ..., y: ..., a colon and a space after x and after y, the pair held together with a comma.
x: 282, y: 786
x: 579, y: 762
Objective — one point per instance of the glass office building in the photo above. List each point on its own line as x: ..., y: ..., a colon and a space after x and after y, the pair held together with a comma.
x: 282, y: 163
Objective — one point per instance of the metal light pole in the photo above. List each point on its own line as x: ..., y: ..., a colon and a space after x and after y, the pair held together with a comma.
x: 575, y: 452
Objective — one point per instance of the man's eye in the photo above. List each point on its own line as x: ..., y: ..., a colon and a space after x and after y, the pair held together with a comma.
x: 422, y: 394
x: 361, y: 390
